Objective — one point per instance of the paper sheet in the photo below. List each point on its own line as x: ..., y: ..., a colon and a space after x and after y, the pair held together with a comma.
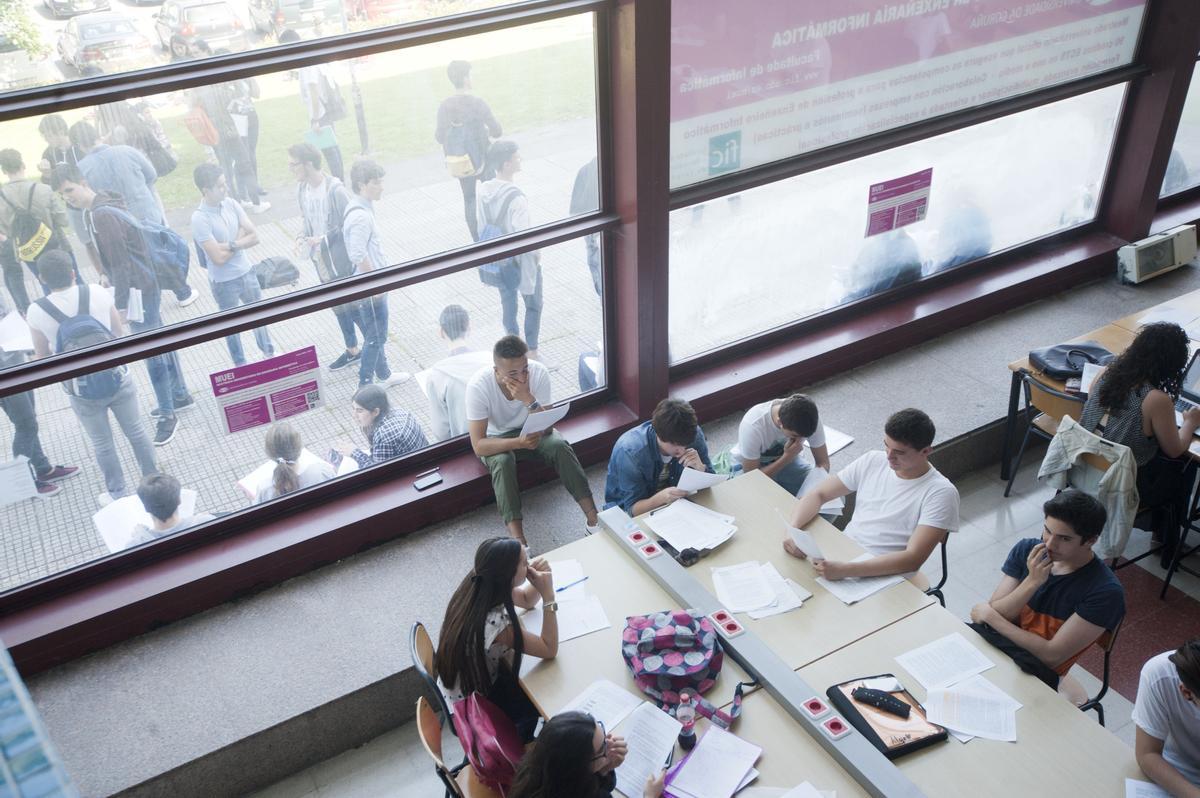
x: 650, y: 734
x: 683, y: 525
x: 835, y: 440
x: 568, y: 572
x: 1144, y: 789
x: 945, y: 661
x: 261, y: 476
x: 575, y: 618
x: 856, y: 589
x: 814, y: 478
x: 604, y: 701
x: 741, y: 587
x: 804, y: 540
x: 16, y: 481
x: 717, y: 766
x: 978, y: 714
x: 545, y: 419
x: 788, y: 594
x: 1180, y: 316
x: 14, y: 334
x: 804, y: 790
x: 116, y: 521
x: 348, y: 465
x: 980, y: 684
x: 1090, y: 372
x: 692, y: 480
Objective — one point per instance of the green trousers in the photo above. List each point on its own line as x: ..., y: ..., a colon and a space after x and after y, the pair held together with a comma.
x: 553, y: 449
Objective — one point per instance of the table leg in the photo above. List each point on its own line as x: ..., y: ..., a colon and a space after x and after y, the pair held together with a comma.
x: 1010, y: 425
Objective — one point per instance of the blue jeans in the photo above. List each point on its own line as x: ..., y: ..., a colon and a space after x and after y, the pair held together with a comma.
x: 791, y: 477
x: 21, y: 412
x: 93, y: 417
x: 241, y: 290
x: 373, y: 320
x: 166, y: 375
x: 533, y: 311
x: 346, y: 318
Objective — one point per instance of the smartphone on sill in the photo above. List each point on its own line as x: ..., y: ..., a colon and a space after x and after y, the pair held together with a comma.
x: 428, y: 481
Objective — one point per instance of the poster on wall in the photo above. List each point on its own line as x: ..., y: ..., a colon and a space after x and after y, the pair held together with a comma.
x: 899, y: 202
x: 270, y: 390
x: 760, y: 80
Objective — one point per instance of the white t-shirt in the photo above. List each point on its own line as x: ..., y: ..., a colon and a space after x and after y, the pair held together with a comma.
x: 1163, y: 713
x: 486, y: 400
x: 888, y: 509
x: 100, y: 305
x: 757, y: 433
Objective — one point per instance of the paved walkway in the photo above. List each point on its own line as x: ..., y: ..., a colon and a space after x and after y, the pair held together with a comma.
x: 420, y: 214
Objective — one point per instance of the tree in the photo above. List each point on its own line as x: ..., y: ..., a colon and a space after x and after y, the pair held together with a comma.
x: 19, y: 28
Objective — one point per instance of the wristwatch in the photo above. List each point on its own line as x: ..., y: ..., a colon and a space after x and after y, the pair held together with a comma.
x: 552, y: 606
x: 233, y: 247
x: 534, y: 405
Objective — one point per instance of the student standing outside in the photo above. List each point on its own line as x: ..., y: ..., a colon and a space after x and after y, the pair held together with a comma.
x: 465, y: 128
x: 33, y: 220
x: 318, y: 92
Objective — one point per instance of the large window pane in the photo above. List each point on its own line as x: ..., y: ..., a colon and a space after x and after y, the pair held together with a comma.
x: 760, y: 81
x: 440, y: 332
x: 50, y: 41
x: 1183, y: 170
x: 535, y: 87
x: 769, y: 256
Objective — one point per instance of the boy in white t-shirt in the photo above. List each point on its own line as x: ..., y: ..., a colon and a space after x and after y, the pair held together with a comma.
x: 1167, y: 715
x: 771, y: 437
x: 903, y: 506
x: 498, y: 401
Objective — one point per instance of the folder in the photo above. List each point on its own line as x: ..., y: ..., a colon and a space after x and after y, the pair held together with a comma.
x: 892, y: 735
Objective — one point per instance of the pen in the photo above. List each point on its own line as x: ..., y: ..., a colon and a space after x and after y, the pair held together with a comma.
x: 427, y: 473
x: 564, y: 587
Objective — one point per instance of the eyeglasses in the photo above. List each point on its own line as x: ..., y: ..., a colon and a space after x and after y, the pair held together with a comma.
x: 603, y: 745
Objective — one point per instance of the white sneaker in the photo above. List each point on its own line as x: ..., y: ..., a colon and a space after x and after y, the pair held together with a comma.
x: 192, y: 297
x: 397, y: 378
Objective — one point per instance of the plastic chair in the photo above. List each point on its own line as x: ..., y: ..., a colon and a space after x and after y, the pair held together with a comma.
x: 421, y: 647
x: 460, y: 782
x: 1044, y: 406
x: 1094, y: 701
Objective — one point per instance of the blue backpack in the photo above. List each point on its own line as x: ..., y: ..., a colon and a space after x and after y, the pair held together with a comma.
x: 81, y: 331
x: 169, y: 255
x: 502, y: 273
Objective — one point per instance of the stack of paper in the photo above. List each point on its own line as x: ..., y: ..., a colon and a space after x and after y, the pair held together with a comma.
x: 686, y: 525
x: 650, y: 734
x: 958, y: 697
x: 720, y: 765
x: 858, y: 588
x: 1136, y: 788
x: 14, y: 334
x: 757, y: 589
x: 604, y: 701
x: 579, y: 612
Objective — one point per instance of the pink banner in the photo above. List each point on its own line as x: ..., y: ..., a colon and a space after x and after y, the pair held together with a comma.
x: 279, y: 387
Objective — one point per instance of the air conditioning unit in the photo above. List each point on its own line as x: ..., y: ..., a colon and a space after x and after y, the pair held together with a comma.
x: 1158, y: 254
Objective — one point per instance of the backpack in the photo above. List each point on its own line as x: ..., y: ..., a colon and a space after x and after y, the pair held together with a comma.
x: 331, y: 98
x: 464, y: 155
x: 333, y: 243
x: 673, y: 651
x: 489, y: 739
x: 198, y: 123
x: 502, y: 273
x: 276, y: 271
x: 30, y: 234
x: 168, y: 251
x: 79, y: 332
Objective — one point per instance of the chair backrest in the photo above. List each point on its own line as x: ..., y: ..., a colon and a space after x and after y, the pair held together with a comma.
x: 429, y: 729
x: 1050, y: 401
x: 421, y: 647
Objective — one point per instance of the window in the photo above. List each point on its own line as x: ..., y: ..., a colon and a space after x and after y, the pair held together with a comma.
x: 1183, y: 170
x: 772, y: 255
x: 799, y: 75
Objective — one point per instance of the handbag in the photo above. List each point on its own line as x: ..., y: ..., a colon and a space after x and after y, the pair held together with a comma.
x: 1063, y: 361
x: 673, y: 651
x: 489, y: 739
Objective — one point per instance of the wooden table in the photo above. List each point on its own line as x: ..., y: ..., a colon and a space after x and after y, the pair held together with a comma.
x: 1059, y: 750
x: 1189, y: 302
x: 624, y: 590
x: 824, y: 624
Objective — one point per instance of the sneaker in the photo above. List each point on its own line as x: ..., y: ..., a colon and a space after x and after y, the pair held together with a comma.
x: 189, y: 299
x: 58, y: 473
x: 395, y: 378
x: 345, y: 359
x: 166, y: 430
x: 180, y: 404
x: 104, y: 499
x: 47, y: 489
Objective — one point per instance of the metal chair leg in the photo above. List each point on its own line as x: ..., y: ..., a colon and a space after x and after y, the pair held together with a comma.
x: 1016, y: 466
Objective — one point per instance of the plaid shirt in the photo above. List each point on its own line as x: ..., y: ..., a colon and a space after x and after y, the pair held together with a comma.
x: 398, y: 433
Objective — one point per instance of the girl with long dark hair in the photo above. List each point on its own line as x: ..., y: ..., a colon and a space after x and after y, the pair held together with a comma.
x: 482, y: 640
x: 391, y: 432
x: 574, y: 756
x: 1133, y: 403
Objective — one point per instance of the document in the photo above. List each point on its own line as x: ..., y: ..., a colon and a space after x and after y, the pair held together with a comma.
x: 1144, y: 789
x: 856, y: 589
x: 979, y: 684
x: 788, y: 594
x: 814, y: 478
x: 716, y: 767
x: 650, y: 734
x: 684, y: 525
x: 575, y: 618
x: 802, y: 539
x: 544, y: 420
x: 692, y: 480
x: 604, y: 701
x: 14, y: 334
x: 741, y: 588
x: 835, y: 440
x: 945, y: 661
x: 116, y: 521
x: 261, y: 477
x: 804, y: 790
x: 568, y: 572
x: 1090, y: 372
x: 1175, y: 315
x: 16, y: 481
x: 978, y: 714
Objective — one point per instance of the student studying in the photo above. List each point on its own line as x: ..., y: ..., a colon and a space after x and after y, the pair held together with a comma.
x: 648, y: 460
x: 1167, y: 716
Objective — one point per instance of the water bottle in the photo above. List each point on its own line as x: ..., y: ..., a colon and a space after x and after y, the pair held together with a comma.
x: 685, y: 713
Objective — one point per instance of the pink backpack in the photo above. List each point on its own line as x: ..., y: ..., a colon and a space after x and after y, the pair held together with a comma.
x: 490, y: 740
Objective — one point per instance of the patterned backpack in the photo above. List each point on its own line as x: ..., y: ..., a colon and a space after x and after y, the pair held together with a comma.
x: 673, y: 651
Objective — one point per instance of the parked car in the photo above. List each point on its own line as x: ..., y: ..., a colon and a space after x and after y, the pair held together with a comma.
x: 66, y: 8
x: 212, y: 21
x: 382, y: 10
x: 104, y: 42
x: 316, y: 17
x: 19, y: 70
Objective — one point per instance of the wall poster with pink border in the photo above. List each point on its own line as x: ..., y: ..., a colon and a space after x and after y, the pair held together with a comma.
x: 279, y: 387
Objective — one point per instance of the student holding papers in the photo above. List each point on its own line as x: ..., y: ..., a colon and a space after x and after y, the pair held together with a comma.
x: 904, y: 506
x: 283, y: 446
x: 648, y: 460
x: 771, y: 437
x: 499, y: 400
x: 575, y: 756
x: 482, y: 639
x: 1167, y: 715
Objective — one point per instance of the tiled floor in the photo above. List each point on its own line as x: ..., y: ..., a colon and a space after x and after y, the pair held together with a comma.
x: 396, y: 765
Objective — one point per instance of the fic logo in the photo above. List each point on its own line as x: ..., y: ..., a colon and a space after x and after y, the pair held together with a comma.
x: 725, y: 152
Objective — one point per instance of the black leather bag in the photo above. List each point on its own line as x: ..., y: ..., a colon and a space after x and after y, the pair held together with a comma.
x: 1063, y: 361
